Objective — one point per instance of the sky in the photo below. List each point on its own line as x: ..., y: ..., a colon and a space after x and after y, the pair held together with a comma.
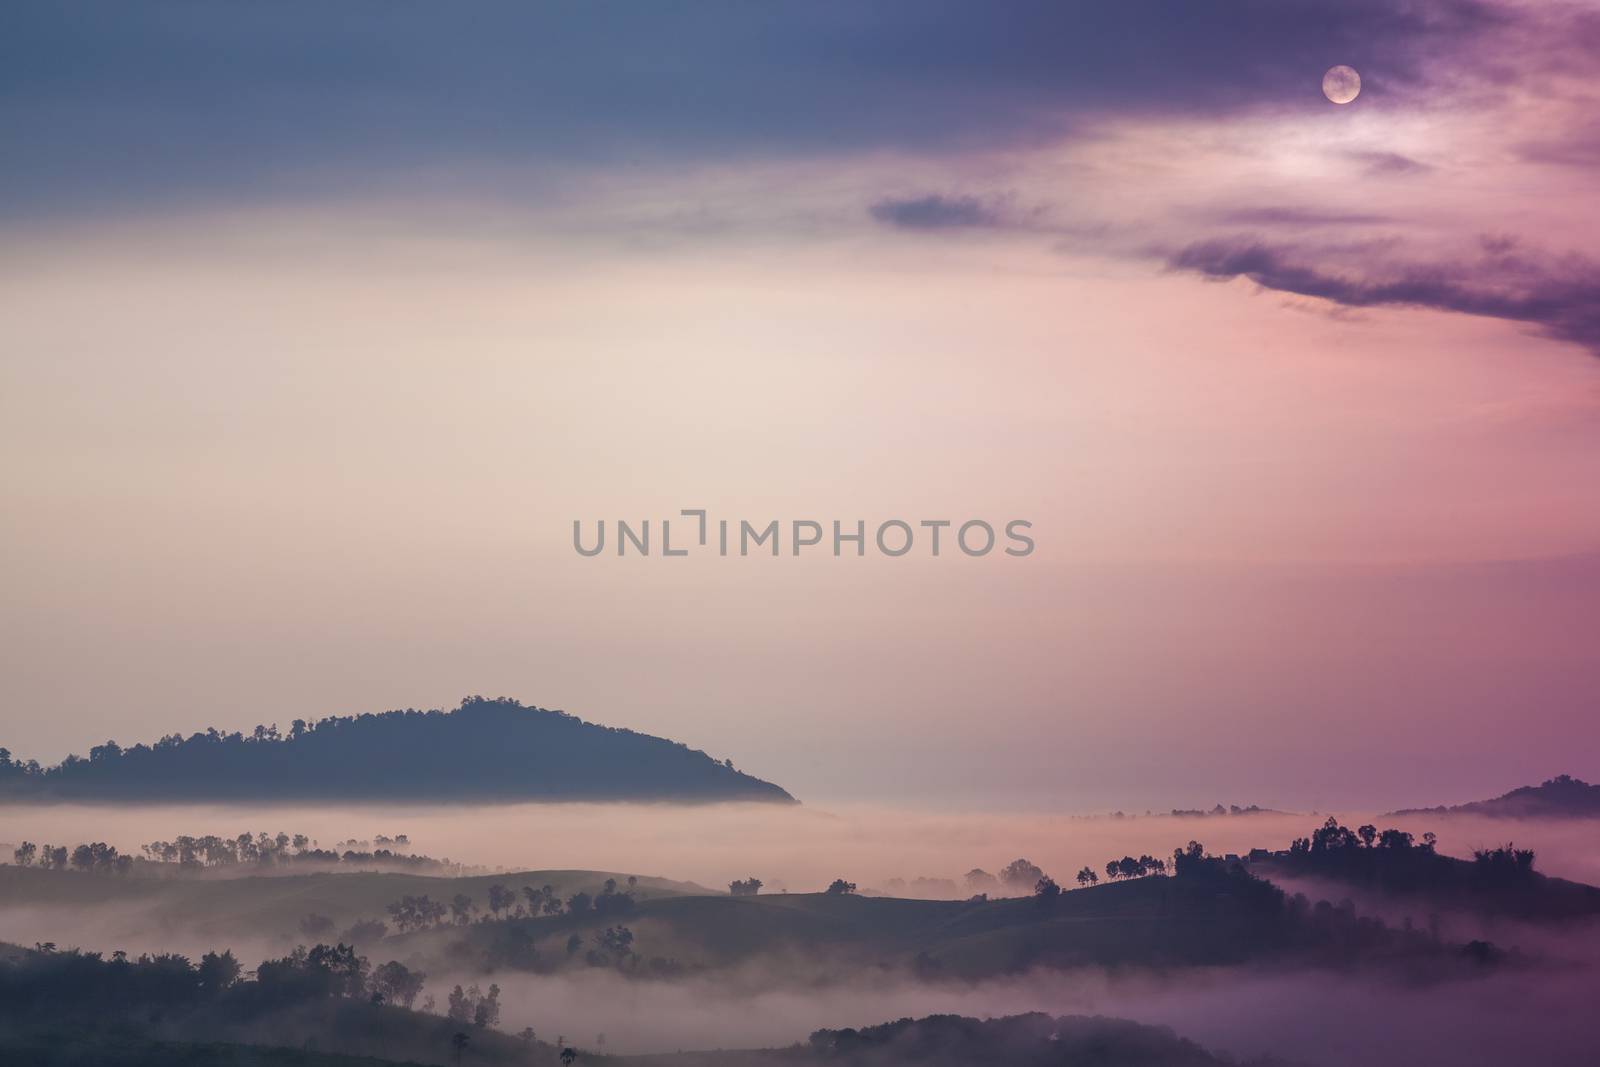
x: 322, y: 325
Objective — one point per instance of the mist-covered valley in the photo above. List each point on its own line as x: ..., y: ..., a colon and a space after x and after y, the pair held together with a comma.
x: 622, y: 929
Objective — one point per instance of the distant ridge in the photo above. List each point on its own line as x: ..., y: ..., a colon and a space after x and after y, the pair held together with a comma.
x: 484, y: 750
x: 1560, y: 797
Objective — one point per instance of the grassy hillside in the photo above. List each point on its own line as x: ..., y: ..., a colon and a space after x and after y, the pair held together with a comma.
x: 270, y: 905
x: 1148, y: 922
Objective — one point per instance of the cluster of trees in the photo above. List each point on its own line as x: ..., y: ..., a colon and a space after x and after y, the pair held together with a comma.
x: 421, y: 912
x: 1506, y: 863
x: 840, y: 887
x: 980, y: 882
x: 42, y: 980
x: 473, y: 1005
x: 1332, y: 837
x: 483, y: 748
x: 1128, y: 868
x: 1231, y: 809
x: 210, y: 851
x: 747, y: 887
x: 1184, y: 860
x: 96, y: 856
x: 417, y: 912
x: 1396, y: 860
x: 613, y: 946
x: 1020, y: 876
x: 514, y: 945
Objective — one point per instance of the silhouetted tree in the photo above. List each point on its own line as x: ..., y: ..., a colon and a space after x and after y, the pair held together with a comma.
x: 500, y: 898
x: 398, y: 983
x: 217, y: 972
x: 839, y: 887
x: 1191, y: 860
x: 486, y: 1011
x: 979, y: 880
x: 460, y: 1009
x: 1020, y: 876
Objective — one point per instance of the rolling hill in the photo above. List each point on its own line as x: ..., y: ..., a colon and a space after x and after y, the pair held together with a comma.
x: 1226, y: 917
x: 484, y: 750
x: 1562, y: 797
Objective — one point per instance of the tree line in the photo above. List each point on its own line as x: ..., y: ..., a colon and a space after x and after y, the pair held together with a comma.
x: 421, y: 912
x: 193, y: 853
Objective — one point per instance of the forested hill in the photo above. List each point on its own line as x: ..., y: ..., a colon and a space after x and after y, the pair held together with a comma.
x: 483, y: 750
x: 1560, y: 797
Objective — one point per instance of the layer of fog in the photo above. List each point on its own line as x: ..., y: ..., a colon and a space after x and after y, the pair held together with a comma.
x: 1313, y: 1018
x: 1512, y: 1016
x: 795, y: 849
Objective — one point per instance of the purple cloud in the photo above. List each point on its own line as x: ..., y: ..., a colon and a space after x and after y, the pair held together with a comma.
x: 1559, y: 295
x: 935, y: 213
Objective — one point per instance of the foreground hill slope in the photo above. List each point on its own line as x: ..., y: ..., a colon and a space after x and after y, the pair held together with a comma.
x: 483, y: 750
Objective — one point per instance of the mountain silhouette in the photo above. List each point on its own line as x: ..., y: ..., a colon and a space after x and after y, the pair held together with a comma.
x: 483, y: 750
x: 1561, y: 797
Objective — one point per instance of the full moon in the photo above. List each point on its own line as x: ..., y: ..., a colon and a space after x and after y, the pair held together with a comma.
x: 1341, y: 84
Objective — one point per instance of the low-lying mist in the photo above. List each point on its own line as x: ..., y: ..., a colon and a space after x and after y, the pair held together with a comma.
x: 1312, y: 1018
x: 793, y: 849
x: 1511, y: 1015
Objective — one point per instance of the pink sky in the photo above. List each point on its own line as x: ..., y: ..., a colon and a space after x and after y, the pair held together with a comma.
x: 318, y: 449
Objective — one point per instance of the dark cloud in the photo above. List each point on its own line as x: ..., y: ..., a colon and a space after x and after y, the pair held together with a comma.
x: 935, y: 213
x: 1560, y: 295
x: 114, y: 104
